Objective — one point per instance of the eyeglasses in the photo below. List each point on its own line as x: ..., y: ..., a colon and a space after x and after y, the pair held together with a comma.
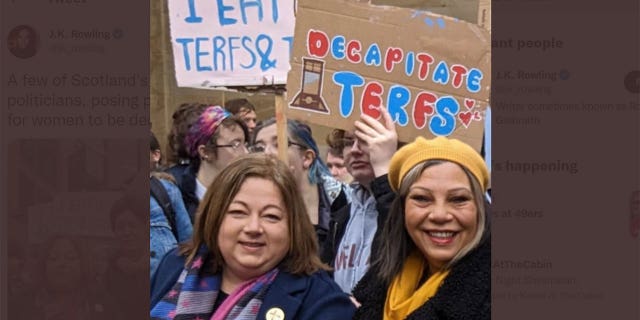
x: 348, y: 142
x: 234, y: 145
x: 261, y: 147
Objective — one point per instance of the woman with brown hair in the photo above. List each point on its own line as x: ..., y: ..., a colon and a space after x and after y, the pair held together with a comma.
x: 253, y: 254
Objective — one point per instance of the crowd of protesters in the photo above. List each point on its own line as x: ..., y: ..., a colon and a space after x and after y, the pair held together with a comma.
x: 383, y: 229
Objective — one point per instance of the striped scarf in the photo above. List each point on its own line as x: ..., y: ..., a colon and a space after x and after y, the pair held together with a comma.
x: 195, y: 293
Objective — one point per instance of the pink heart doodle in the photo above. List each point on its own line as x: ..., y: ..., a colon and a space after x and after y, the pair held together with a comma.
x: 465, y: 118
x: 469, y: 103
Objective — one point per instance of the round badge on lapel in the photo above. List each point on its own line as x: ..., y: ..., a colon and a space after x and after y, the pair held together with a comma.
x: 275, y: 314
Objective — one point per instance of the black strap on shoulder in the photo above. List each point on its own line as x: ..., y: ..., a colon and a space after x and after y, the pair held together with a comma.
x: 160, y: 194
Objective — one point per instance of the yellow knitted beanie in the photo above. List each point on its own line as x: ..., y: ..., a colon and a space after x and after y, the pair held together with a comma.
x: 440, y: 148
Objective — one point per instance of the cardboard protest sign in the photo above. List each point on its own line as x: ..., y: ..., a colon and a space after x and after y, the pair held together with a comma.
x: 432, y: 72
x: 231, y: 42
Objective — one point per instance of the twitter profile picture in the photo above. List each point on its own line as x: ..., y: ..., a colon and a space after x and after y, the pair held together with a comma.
x: 23, y: 41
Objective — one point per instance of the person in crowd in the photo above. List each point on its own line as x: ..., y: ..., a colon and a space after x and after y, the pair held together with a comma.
x: 435, y: 256
x: 130, y: 258
x: 213, y: 141
x: 155, y: 154
x: 20, y: 285
x: 62, y: 293
x: 245, y: 110
x: 356, y: 226
x: 22, y: 269
x: 178, y: 156
x: 335, y: 163
x: 253, y: 254
x: 169, y: 221
x: 319, y: 189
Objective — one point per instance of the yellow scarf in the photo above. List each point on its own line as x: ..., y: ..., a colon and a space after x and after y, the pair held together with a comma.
x: 403, y: 295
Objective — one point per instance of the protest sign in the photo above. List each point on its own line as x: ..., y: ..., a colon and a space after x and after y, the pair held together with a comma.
x: 432, y: 72
x: 231, y: 42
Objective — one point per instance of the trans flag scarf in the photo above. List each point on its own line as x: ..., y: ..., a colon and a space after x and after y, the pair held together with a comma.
x: 195, y: 293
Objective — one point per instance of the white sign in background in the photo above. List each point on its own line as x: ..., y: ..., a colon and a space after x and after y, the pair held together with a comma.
x: 231, y: 42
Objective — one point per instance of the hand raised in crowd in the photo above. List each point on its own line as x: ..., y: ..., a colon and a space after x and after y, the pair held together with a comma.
x: 380, y: 138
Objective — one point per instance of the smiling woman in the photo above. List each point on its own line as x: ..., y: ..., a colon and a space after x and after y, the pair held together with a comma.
x: 253, y: 236
x: 253, y: 253
x: 435, y: 261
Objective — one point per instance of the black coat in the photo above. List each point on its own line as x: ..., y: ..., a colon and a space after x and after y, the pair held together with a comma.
x: 465, y: 293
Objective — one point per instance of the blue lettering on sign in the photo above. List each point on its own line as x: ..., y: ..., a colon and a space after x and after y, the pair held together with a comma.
x: 246, y: 39
x: 347, y: 80
x: 337, y: 47
x: 441, y: 74
x: 244, y: 4
x: 218, y: 44
x: 274, y: 12
x: 200, y: 53
x: 372, y: 56
x: 185, y: 51
x: 408, y: 68
x: 265, y: 63
x: 221, y: 16
x: 221, y: 53
x: 231, y: 48
x: 444, y: 122
x: 397, y: 100
x: 289, y: 39
x: 473, y: 80
x: 192, y: 18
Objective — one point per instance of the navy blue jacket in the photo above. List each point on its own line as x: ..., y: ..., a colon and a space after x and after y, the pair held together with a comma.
x: 186, y: 181
x: 300, y: 297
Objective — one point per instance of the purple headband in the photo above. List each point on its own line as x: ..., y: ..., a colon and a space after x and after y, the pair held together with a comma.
x: 204, y: 128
